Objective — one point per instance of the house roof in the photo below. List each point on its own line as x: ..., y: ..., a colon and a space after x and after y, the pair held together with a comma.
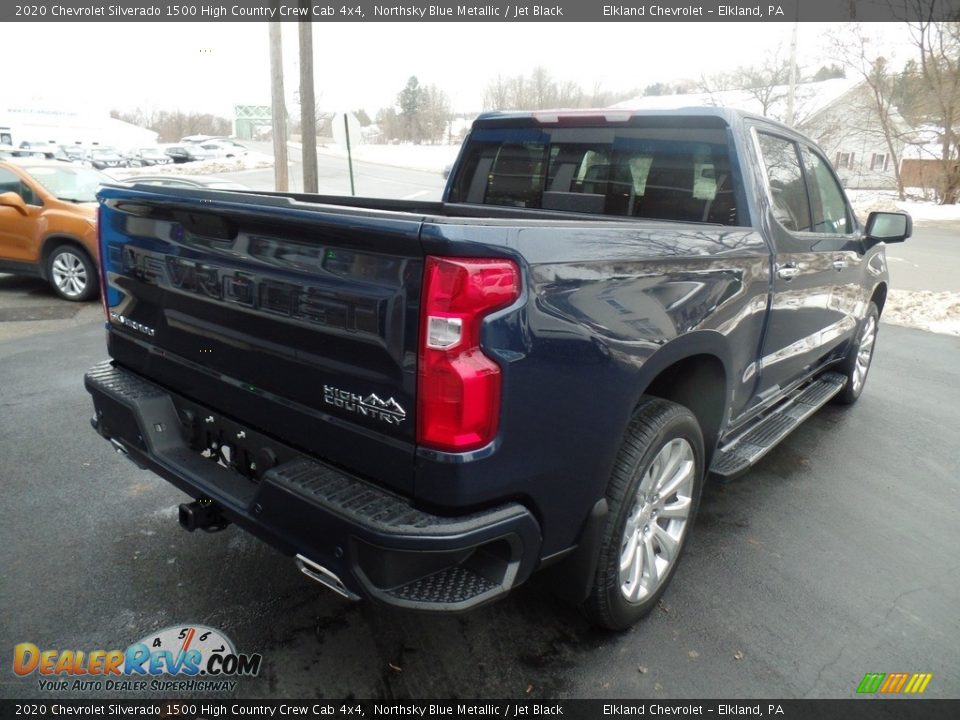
x: 810, y: 98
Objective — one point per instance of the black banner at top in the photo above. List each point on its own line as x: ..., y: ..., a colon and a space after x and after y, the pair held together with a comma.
x: 480, y: 11
x: 526, y: 709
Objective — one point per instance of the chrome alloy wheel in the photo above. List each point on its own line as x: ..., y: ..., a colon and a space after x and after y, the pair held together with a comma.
x: 864, y: 352
x: 69, y: 274
x: 657, y: 521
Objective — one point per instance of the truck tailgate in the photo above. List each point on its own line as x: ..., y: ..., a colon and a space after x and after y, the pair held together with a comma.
x: 302, y: 322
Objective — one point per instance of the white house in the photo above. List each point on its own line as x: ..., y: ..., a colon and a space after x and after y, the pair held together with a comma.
x: 839, y: 114
x: 34, y: 121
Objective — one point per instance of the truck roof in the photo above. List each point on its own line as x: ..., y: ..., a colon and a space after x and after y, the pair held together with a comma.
x: 728, y: 116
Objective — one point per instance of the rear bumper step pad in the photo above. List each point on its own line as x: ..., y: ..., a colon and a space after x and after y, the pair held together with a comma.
x: 375, y: 541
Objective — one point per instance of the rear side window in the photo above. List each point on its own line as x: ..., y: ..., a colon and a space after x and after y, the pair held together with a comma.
x: 788, y: 189
x: 830, y: 212
x: 667, y: 173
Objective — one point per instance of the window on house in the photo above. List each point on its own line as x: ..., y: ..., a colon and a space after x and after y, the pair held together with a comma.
x: 844, y: 161
x: 880, y: 161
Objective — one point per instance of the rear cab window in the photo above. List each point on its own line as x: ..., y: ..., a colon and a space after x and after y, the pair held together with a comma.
x: 657, y: 170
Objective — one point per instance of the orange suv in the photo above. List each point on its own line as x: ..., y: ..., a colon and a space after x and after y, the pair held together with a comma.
x: 48, y: 224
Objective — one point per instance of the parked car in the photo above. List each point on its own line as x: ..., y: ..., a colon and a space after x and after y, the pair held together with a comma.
x: 103, y: 158
x: 185, y: 181
x: 41, y: 149
x: 148, y: 157
x: 184, y: 153
x: 423, y: 403
x: 48, y: 216
x: 222, y: 149
x: 74, y: 153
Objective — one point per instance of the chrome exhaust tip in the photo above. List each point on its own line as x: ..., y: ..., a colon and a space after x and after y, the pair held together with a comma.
x: 320, y: 574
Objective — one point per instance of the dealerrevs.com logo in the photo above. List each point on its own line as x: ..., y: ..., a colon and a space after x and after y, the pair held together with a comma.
x: 177, y: 658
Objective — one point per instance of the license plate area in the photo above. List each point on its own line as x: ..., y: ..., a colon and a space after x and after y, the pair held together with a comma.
x: 228, y: 443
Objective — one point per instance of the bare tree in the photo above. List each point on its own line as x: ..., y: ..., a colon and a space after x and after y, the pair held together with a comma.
x: 171, y: 125
x: 497, y: 94
x: 539, y: 91
x: 859, y: 53
x: 436, y: 114
x: 765, y: 82
x: 939, y: 46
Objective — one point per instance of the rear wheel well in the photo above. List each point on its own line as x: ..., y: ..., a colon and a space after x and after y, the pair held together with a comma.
x: 699, y: 383
x: 879, y: 296
x: 52, y: 243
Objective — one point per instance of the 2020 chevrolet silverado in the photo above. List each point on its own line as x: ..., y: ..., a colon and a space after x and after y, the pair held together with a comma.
x: 425, y: 402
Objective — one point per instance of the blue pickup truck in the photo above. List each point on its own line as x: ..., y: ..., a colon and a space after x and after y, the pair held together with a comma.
x: 425, y: 402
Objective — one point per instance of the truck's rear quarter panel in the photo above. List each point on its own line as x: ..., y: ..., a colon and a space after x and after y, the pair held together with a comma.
x: 600, y: 300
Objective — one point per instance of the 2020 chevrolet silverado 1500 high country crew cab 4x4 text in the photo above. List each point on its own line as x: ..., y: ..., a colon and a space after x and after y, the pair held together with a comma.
x: 424, y: 402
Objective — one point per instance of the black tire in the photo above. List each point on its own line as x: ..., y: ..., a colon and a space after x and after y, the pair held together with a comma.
x: 658, y: 426
x: 866, y: 333
x: 72, y: 274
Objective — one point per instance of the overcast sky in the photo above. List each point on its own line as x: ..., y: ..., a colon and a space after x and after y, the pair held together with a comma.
x: 211, y: 67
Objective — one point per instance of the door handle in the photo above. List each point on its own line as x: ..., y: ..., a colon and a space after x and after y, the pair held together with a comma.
x: 788, y: 272
x: 839, y: 264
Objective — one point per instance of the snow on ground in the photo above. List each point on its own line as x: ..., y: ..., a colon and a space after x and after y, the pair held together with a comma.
x: 937, y: 312
x: 866, y: 201
x: 250, y: 161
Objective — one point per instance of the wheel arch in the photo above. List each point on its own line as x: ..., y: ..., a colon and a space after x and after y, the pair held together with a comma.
x: 55, y: 240
x: 694, y: 371
x: 879, y: 297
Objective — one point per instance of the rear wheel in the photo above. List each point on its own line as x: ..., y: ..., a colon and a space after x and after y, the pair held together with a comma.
x: 71, y: 273
x: 858, y: 361
x: 653, y: 495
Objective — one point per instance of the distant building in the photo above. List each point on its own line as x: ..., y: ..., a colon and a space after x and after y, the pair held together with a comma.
x: 35, y: 122
x: 838, y: 114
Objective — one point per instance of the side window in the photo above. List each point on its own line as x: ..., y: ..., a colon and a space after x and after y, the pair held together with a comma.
x: 830, y: 213
x: 788, y: 190
x: 28, y: 195
x: 9, y: 182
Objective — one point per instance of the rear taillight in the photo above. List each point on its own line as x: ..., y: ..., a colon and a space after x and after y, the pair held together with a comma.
x: 458, y: 392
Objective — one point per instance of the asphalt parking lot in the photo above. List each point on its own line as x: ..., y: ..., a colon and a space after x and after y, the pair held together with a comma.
x: 837, y: 555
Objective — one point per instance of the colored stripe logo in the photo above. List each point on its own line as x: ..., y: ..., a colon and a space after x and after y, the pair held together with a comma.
x: 894, y: 683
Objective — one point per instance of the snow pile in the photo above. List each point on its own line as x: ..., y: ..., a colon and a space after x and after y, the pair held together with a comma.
x: 249, y: 161
x: 937, y: 312
x: 867, y: 201
x: 928, y: 211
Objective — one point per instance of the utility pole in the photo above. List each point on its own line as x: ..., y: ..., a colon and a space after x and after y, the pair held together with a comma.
x: 278, y: 109
x: 792, y: 82
x: 308, y: 117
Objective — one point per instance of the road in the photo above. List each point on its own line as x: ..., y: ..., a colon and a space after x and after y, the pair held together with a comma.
x: 370, y: 179
x: 930, y: 260
x: 837, y: 555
